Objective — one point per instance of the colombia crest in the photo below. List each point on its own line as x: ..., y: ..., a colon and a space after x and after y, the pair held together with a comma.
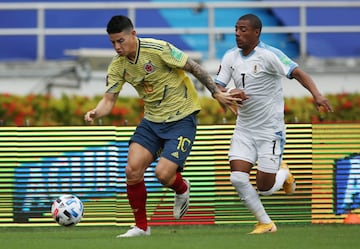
x: 149, y: 67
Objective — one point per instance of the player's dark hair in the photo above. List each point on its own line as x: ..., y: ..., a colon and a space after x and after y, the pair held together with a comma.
x: 255, y: 21
x: 118, y: 24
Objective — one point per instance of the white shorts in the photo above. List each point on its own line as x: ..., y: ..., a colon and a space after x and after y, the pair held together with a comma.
x: 265, y: 150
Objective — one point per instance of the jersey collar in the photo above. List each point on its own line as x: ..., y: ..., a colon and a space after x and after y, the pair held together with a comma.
x: 137, y: 53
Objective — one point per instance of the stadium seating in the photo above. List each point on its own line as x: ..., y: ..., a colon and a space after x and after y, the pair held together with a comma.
x: 321, y: 45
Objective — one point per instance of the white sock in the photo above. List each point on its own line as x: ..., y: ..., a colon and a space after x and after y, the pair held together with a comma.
x: 249, y: 196
x: 280, y: 178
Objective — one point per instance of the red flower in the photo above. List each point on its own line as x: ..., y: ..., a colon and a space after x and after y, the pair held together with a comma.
x: 120, y: 111
x: 342, y: 96
x: 309, y: 100
x: 78, y: 112
x: 315, y: 119
x: 286, y: 108
x: 347, y: 104
x: 30, y: 98
x: 19, y: 120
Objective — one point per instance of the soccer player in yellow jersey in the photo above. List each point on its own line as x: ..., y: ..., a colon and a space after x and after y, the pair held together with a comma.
x: 157, y: 70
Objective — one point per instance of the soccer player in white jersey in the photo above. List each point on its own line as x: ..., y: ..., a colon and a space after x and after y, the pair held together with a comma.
x: 157, y: 70
x: 259, y: 135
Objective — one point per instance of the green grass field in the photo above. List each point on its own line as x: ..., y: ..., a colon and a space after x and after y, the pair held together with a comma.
x: 183, y: 237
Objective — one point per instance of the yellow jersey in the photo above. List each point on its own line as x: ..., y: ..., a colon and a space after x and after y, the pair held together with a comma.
x: 157, y: 75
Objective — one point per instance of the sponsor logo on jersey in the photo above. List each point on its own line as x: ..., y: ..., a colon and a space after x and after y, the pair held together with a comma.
x: 175, y: 154
x: 176, y: 53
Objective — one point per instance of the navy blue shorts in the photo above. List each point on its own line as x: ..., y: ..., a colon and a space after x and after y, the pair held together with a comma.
x: 172, y: 140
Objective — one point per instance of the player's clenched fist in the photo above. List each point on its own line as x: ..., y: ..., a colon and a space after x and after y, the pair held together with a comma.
x: 90, y: 116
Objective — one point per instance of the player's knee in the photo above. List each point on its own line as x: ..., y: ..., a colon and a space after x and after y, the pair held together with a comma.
x: 163, y: 176
x: 162, y: 179
x: 239, y: 178
x: 133, y: 175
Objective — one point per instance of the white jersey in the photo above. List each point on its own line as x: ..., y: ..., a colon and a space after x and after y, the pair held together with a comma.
x: 259, y: 75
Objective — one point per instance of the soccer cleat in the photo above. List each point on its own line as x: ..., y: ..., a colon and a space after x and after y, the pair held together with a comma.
x: 264, y: 228
x: 134, y: 232
x: 181, y: 203
x: 289, y: 185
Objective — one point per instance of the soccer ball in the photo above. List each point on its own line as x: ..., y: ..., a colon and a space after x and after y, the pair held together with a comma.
x: 67, y: 210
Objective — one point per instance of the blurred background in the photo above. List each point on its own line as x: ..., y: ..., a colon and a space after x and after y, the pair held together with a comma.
x: 60, y: 48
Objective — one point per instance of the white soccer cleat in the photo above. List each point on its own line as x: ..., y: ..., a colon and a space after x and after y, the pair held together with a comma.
x: 134, y: 232
x: 181, y: 203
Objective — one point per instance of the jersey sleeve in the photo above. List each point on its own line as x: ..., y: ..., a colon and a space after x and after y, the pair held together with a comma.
x: 223, y: 76
x: 174, y: 57
x: 114, y: 79
x: 280, y: 62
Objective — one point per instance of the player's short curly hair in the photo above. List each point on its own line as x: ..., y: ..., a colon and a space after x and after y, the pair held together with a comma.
x: 119, y: 24
x: 255, y: 21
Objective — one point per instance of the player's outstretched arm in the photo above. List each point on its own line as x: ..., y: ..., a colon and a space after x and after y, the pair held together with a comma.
x: 103, y: 108
x: 225, y: 99
x: 305, y: 80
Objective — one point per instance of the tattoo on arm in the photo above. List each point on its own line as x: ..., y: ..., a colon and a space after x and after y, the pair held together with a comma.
x: 195, y: 69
